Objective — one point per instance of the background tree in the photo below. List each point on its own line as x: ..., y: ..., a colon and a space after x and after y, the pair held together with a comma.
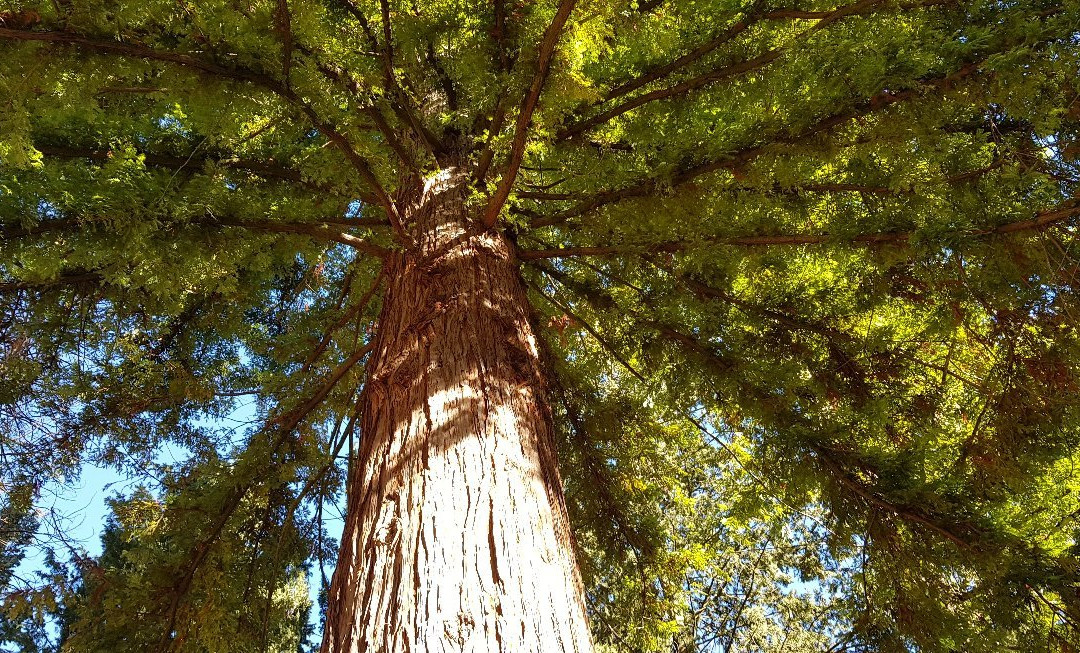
x: 791, y: 287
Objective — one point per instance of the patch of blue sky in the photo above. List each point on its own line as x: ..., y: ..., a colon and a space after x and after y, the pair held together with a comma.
x: 174, y: 124
x: 354, y: 209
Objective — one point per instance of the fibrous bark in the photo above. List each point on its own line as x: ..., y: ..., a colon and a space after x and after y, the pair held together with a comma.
x: 456, y: 536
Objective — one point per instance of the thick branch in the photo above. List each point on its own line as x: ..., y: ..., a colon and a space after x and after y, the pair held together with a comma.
x: 712, y: 76
x: 1041, y: 220
x: 283, y: 25
x: 532, y: 97
x: 754, y: 16
x: 907, y: 513
x: 239, y: 74
x: 73, y: 279
x: 265, y: 169
x: 315, y: 230
x: 499, y: 34
x: 740, y: 158
x: 444, y: 78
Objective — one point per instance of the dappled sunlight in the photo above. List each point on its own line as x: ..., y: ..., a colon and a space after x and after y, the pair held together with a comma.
x: 457, y: 438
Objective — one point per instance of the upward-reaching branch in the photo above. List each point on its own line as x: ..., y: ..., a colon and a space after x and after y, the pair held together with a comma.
x: 398, y: 101
x: 369, y: 107
x: 283, y: 24
x: 532, y: 96
x: 744, y: 156
x: 499, y: 33
x: 753, y: 15
x: 715, y: 75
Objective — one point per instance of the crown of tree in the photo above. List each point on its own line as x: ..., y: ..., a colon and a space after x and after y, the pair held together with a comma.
x: 803, y: 279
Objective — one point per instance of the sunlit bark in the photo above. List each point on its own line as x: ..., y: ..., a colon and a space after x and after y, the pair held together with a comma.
x: 456, y: 537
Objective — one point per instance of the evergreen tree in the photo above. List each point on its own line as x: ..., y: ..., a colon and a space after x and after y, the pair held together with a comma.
x: 789, y: 289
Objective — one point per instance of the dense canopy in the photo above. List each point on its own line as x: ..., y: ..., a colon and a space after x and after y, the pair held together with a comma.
x: 807, y: 277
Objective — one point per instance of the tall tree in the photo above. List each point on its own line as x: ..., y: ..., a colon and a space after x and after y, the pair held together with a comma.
x: 788, y: 287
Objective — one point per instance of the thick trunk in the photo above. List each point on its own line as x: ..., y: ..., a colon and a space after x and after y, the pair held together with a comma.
x: 456, y: 537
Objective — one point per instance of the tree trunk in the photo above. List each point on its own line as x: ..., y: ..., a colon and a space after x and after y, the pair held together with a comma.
x: 456, y: 537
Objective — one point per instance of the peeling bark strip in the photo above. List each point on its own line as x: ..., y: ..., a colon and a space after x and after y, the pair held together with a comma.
x: 456, y: 537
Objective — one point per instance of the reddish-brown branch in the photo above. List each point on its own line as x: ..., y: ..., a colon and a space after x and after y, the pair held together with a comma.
x: 1042, y: 220
x: 264, y: 169
x: 236, y: 73
x: 499, y: 34
x: 542, y: 196
x: 742, y: 157
x: 532, y: 97
x: 711, y: 77
x: 317, y: 230
x: 314, y: 230
x: 289, y: 421
x: 907, y: 513
x: 280, y: 427
x: 391, y: 137
x: 283, y: 26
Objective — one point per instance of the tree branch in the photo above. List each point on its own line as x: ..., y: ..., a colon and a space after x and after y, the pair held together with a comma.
x: 239, y: 74
x: 499, y: 34
x: 315, y: 230
x: 1042, y: 220
x: 754, y: 15
x: 137, y: 51
x: 281, y: 427
x: 349, y: 314
x: 265, y: 169
x: 742, y: 157
x: 444, y: 78
x: 283, y: 26
x: 74, y: 279
x: 612, y: 351
x: 907, y: 513
x: 532, y: 97
x: 345, y: 80
x: 713, y: 76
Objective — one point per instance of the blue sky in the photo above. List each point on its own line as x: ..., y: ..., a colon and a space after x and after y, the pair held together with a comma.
x: 79, y: 509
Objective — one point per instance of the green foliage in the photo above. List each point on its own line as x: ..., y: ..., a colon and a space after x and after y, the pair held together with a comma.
x: 118, y: 607
x: 807, y: 274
